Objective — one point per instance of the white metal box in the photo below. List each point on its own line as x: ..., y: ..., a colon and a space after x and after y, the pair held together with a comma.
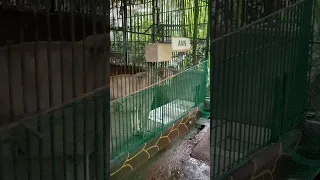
x: 158, y: 52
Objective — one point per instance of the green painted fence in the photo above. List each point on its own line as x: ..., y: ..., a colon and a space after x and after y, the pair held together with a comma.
x: 135, y: 116
x: 141, y: 116
x: 259, y: 86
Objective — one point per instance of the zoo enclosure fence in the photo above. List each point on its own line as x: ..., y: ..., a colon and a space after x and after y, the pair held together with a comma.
x: 56, y: 114
x: 53, y: 60
x: 259, y: 86
x: 134, y: 24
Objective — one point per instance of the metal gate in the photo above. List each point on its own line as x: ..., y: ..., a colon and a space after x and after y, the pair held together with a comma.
x: 259, y: 85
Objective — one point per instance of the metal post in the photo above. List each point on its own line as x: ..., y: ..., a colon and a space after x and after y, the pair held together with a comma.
x: 195, y: 32
x: 125, y: 30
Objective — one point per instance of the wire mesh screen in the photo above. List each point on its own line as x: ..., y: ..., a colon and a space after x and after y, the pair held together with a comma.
x: 259, y: 84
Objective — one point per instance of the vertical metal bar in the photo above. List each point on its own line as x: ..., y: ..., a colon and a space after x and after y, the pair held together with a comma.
x: 225, y: 82
x: 84, y: 81
x: 278, y: 75
x: 236, y: 85
x: 251, y: 77
x: 97, y: 137
x: 97, y: 125
x: 74, y: 92
x: 221, y: 113
x: 24, y: 94
x: 106, y: 31
x: 268, y: 81
x: 153, y: 33
x: 52, y: 128
x: 307, y: 35
x: 284, y: 74
x: 283, y: 103
x: 243, y: 13
x: 107, y: 123
x: 29, y: 176
x: 232, y: 100
x: 290, y: 38
x: 9, y: 64
x: 106, y: 134
x: 22, y: 61
x: 297, y: 51
x: 125, y: 54
x: 263, y: 71
x: 298, y: 65
x: 272, y: 78
x: 125, y: 30
x: 247, y: 67
x: 62, y: 90
x: 255, y: 88
x: 224, y: 94
x: 219, y: 93
x: 86, y: 156
x: 277, y: 109
x: 129, y: 87
x: 288, y: 56
x: 95, y: 44
x: 11, y: 106
x: 195, y: 33
x: 214, y: 90
x: 228, y: 97
x: 243, y: 64
x: 37, y: 92
x: 313, y: 32
x: 239, y: 13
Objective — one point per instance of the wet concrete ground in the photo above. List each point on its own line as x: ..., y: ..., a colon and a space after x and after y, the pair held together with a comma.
x: 174, y: 162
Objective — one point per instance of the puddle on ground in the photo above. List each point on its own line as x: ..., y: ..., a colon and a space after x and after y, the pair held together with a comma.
x: 194, y: 169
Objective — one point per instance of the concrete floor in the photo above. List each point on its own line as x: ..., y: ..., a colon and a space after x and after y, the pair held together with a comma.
x: 188, y: 157
x: 175, y: 161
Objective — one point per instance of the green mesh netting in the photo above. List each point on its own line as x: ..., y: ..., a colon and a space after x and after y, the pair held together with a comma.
x: 140, y: 116
x: 300, y: 156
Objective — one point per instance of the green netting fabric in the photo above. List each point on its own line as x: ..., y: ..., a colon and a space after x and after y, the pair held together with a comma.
x: 297, y: 156
x: 301, y: 158
x: 141, y: 116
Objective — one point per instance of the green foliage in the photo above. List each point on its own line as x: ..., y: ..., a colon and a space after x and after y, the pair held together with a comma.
x: 173, y: 18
